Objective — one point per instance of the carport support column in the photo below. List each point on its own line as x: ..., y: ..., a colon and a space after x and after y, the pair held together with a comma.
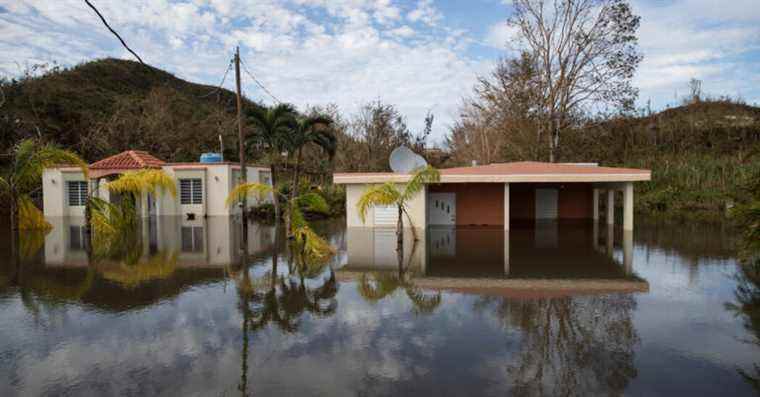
x: 506, y: 206
x: 596, y: 204
x: 628, y: 206
x: 610, y: 206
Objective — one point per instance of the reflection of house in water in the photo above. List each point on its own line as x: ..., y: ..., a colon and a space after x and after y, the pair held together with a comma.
x: 546, y: 255
x: 206, y: 242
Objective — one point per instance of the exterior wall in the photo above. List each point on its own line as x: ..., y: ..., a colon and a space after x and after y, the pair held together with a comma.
x: 477, y: 203
x: 417, y: 208
x: 216, y: 189
x: 54, y: 194
x: 575, y: 200
x: 218, y: 181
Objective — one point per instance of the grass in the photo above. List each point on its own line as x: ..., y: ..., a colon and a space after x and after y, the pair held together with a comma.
x: 692, y: 185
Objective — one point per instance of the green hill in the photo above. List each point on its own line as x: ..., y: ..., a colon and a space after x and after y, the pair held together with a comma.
x: 105, y: 106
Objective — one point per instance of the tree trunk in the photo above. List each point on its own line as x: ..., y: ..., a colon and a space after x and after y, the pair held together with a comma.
x: 293, y: 194
x: 400, y: 230
x: 14, y: 240
x: 275, y: 257
x: 275, y: 196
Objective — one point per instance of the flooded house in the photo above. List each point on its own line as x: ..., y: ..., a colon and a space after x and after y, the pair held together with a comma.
x: 202, y: 187
x: 498, y: 195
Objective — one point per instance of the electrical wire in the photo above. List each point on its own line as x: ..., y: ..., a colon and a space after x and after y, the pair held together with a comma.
x: 221, y: 84
x: 245, y: 68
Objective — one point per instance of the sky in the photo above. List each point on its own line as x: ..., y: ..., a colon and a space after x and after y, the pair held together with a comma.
x: 419, y: 55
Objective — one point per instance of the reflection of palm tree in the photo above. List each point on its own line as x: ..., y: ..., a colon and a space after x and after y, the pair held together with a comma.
x: 375, y: 287
x: 570, y: 346
x: 747, y: 306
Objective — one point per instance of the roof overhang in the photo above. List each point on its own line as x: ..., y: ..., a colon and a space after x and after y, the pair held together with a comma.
x: 349, y: 178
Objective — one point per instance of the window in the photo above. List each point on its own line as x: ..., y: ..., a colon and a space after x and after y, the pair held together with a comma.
x: 77, y: 193
x: 191, y: 191
x: 77, y: 238
x: 265, y: 177
x: 192, y: 238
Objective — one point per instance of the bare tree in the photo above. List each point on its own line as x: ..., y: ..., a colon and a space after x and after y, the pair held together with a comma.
x: 585, y: 53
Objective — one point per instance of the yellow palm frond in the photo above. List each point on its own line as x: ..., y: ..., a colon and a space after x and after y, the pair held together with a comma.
x: 385, y: 194
x: 160, y: 266
x: 248, y: 189
x: 30, y: 217
x: 420, y: 178
x: 31, y: 158
x: 314, y: 248
x: 148, y: 180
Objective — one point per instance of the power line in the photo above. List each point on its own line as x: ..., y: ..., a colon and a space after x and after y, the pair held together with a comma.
x: 245, y: 68
x: 113, y: 31
x: 221, y: 84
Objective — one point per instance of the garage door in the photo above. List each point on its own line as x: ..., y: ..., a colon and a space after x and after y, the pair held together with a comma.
x: 386, y: 215
x: 546, y: 203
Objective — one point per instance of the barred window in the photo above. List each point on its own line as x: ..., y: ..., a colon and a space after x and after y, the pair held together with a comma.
x: 191, y: 191
x: 192, y: 238
x: 77, y: 191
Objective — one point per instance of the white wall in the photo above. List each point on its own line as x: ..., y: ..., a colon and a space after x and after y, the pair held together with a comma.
x: 54, y: 193
x: 417, y: 208
x: 217, y: 179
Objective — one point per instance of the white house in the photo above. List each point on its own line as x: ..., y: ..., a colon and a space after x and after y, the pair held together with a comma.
x: 202, y: 187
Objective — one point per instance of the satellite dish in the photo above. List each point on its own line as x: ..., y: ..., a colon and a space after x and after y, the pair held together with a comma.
x: 403, y: 160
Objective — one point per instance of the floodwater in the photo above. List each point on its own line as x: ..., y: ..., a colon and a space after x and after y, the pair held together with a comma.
x: 572, y: 309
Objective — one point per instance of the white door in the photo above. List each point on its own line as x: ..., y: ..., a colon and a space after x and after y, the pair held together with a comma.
x: 546, y: 203
x: 442, y: 209
x: 386, y: 215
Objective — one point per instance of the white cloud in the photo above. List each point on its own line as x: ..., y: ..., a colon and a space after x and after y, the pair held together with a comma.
x: 425, y: 12
x: 309, y: 52
x: 500, y: 34
x: 700, y: 39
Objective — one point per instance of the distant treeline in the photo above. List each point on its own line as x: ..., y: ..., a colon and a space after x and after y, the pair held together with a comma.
x: 700, y: 152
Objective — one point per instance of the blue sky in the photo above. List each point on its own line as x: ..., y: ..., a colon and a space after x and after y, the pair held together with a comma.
x: 419, y: 55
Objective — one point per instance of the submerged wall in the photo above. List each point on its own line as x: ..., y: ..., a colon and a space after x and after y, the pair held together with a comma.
x: 575, y: 200
x: 477, y: 203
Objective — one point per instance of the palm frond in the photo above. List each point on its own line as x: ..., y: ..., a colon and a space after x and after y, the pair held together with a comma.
x: 141, y: 181
x: 312, y: 247
x: 32, y: 158
x: 423, y: 303
x: 378, y: 286
x: 110, y: 221
x: 29, y: 216
x: 385, y: 194
x: 246, y: 190
x: 313, y: 202
x: 421, y: 177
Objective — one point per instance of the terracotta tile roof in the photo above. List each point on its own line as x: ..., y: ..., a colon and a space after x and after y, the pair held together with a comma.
x: 128, y: 160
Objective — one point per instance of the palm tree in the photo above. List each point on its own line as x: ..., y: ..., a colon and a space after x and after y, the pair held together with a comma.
x: 377, y: 286
x: 29, y: 158
x: 390, y: 194
x: 112, y: 221
x: 272, y: 128
x: 309, y: 130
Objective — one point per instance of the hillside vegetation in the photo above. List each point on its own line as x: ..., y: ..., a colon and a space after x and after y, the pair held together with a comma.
x: 106, y: 106
x: 701, y: 153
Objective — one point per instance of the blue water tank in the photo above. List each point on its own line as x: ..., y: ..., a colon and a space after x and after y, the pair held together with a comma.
x: 211, y: 158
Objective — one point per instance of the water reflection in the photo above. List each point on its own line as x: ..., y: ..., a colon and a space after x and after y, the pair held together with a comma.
x: 571, y: 256
x: 747, y: 307
x: 561, y: 310
x: 568, y: 346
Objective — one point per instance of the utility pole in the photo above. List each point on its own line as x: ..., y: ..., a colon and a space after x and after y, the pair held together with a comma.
x: 241, y: 146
